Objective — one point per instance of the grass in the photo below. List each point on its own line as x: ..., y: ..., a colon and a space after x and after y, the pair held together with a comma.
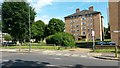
x: 106, y: 50
x: 37, y: 47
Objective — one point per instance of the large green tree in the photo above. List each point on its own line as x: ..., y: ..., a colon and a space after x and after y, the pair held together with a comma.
x: 55, y: 26
x: 38, y: 29
x: 15, y: 17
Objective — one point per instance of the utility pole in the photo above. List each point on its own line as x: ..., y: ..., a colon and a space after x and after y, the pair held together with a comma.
x: 29, y: 31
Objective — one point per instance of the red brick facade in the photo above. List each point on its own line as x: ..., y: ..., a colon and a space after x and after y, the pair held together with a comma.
x: 81, y: 24
x: 114, y: 15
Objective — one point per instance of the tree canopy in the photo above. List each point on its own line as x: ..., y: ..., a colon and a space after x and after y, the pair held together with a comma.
x: 107, y: 32
x: 38, y: 29
x: 55, y: 26
x: 15, y: 18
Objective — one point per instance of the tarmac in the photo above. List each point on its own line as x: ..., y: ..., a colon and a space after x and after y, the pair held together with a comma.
x: 77, y: 52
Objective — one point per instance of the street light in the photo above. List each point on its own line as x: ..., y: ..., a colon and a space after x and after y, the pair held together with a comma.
x: 29, y: 32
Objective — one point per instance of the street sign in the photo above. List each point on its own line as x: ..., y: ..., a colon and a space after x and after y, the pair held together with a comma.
x: 93, y: 33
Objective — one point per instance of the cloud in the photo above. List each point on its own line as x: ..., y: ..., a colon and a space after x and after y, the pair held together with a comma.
x: 44, y: 18
x: 39, y: 4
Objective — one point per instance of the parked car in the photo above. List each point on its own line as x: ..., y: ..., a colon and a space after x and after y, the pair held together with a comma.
x: 8, y: 43
x: 101, y: 43
x: 110, y: 43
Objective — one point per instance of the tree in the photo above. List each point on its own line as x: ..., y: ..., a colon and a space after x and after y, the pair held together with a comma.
x: 55, y: 26
x: 38, y: 29
x: 107, y: 32
x: 62, y: 39
x: 15, y: 17
x: 7, y: 37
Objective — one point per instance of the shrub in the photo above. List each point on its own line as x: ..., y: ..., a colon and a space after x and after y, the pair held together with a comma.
x: 97, y: 39
x: 7, y: 37
x: 63, y: 39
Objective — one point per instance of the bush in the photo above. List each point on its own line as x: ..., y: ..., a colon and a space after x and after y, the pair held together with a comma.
x: 62, y: 39
x: 8, y: 37
x: 97, y: 39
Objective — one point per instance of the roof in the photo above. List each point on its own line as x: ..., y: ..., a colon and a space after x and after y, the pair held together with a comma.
x: 83, y: 12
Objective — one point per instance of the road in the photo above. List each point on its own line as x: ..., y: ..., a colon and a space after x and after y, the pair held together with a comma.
x: 38, y: 60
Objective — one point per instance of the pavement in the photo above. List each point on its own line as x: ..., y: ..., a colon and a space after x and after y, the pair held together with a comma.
x: 77, y: 52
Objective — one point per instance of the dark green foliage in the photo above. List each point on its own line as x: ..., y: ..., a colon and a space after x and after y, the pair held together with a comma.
x: 55, y: 26
x: 63, y: 39
x: 107, y: 32
x: 15, y: 17
x: 38, y: 29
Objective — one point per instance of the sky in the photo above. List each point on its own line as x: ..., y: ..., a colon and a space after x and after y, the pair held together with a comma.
x: 47, y: 9
x: 51, y: 9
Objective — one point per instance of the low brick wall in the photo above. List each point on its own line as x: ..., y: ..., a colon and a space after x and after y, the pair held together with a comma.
x: 105, y: 47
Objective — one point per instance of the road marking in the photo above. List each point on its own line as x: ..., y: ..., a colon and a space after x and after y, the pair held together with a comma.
x: 66, y: 54
x: 83, y: 56
x: 59, y: 54
x: 75, y: 55
x: 57, y: 58
x: 50, y: 65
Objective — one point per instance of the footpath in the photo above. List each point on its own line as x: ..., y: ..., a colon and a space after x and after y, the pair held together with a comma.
x: 77, y: 52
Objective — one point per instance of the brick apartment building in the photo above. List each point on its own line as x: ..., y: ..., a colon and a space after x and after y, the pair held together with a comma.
x: 81, y: 23
x: 114, y: 18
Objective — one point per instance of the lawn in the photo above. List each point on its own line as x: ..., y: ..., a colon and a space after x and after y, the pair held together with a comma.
x: 37, y: 47
x: 106, y: 50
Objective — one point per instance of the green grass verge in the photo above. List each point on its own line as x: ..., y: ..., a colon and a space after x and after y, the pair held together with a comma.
x: 37, y: 47
x: 106, y: 50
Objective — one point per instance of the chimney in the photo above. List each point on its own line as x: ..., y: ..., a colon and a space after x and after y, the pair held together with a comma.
x: 91, y: 8
x: 77, y: 10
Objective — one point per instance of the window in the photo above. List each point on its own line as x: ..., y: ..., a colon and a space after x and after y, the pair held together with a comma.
x: 77, y: 20
x: 83, y: 33
x: 88, y: 29
x: 91, y: 29
x: 77, y: 25
x: 91, y: 19
x: 77, y: 30
x: 90, y: 14
x: 83, y: 28
x: 90, y: 24
x: 83, y: 18
x: 78, y: 34
x: 83, y: 23
x: 70, y: 22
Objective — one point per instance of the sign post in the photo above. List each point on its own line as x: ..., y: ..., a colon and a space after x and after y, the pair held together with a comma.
x: 93, y: 35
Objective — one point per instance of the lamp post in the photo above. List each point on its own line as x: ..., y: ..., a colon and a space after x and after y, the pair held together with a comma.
x: 29, y: 31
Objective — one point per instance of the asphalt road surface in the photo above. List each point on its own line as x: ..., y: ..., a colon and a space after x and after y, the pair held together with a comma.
x: 38, y: 60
